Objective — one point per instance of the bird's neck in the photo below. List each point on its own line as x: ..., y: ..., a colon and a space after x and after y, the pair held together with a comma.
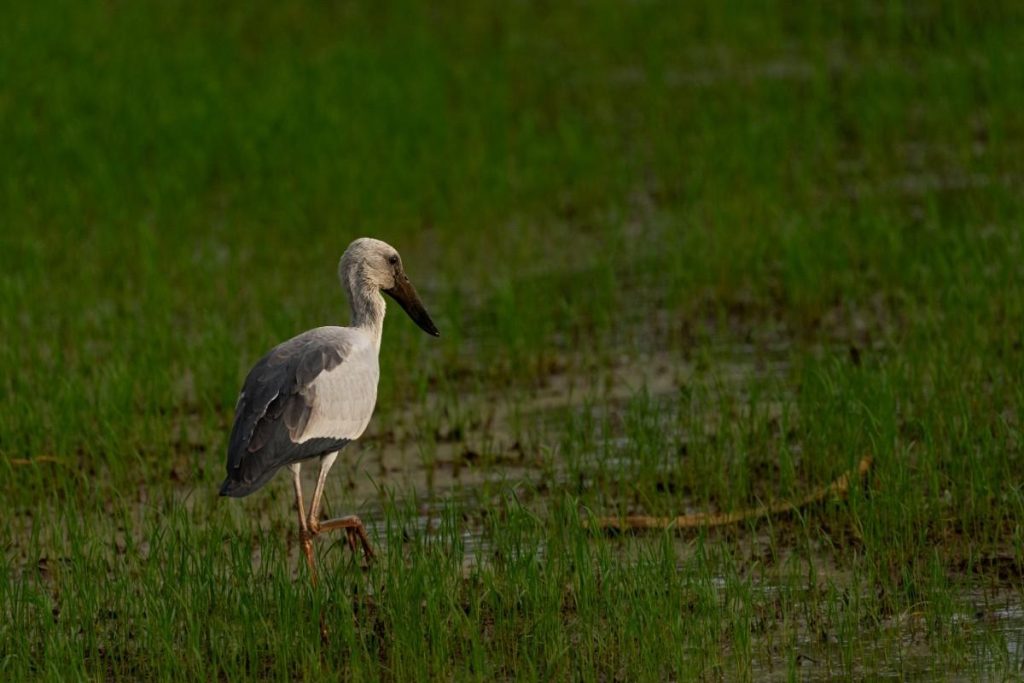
x: 368, y: 310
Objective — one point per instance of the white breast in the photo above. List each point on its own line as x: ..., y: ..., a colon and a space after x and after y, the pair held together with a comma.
x: 344, y: 397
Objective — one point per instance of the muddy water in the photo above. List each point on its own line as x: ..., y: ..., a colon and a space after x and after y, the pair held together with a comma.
x: 484, y: 452
x: 477, y: 451
x: 484, y: 442
x: 487, y: 446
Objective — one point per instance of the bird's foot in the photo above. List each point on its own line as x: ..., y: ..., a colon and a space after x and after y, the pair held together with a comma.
x: 355, y: 532
x: 306, y: 538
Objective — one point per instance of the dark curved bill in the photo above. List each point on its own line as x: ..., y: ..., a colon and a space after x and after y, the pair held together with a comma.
x: 405, y: 294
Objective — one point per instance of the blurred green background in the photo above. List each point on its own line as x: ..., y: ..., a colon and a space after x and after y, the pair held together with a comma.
x: 835, y: 187
x: 179, y: 180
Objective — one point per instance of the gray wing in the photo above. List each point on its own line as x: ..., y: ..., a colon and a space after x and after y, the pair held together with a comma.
x: 277, y: 403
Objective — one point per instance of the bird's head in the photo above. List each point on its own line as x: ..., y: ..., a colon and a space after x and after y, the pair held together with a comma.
x: 373, y: 265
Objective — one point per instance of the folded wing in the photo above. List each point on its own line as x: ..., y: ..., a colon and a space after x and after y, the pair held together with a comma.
x: 307, y: 397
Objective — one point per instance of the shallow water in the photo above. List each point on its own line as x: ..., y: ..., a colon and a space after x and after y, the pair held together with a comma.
x: 989, y: 624
x: 488, y: 448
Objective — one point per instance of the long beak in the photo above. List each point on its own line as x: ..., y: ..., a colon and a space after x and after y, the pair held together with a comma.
x: 405, y: 294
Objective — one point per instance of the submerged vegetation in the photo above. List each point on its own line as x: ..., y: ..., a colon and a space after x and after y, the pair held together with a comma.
x: 683, y: 258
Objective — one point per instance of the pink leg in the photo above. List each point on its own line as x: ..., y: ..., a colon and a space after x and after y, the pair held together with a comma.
x: 305, y: 537
x: 353, y: 526
x: 354, y: 530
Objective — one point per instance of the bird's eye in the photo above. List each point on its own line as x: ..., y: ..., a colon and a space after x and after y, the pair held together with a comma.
x: 393, y: 259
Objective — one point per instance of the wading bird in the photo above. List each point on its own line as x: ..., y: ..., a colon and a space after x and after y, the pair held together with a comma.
x: 313, y: 394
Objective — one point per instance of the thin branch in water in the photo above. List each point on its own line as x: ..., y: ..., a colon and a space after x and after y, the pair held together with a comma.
x: 838, y: 488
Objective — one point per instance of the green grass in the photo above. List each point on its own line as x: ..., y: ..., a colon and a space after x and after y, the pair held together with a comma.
x: 684, y: 257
